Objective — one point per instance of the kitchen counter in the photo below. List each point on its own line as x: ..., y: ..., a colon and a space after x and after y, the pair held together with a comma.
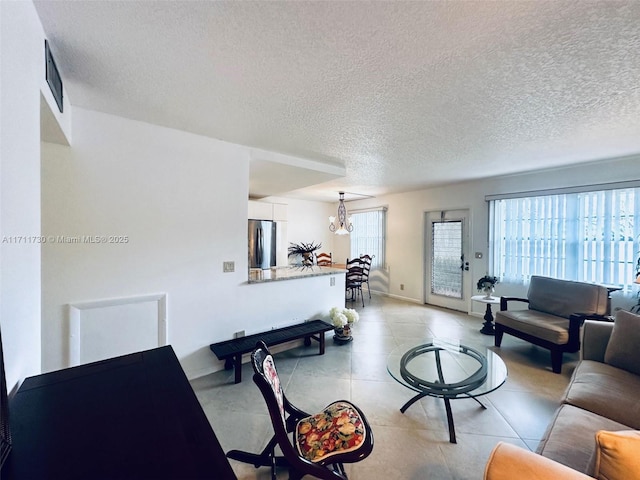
x: 290, y: 273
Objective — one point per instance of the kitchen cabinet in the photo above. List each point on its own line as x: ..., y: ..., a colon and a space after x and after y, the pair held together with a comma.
x: 276, y: 212
x: 279, y: 212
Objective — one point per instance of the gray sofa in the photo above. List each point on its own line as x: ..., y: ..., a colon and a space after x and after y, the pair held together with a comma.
x: 600, y: 396
x: 603, y: 395
x: 555, y: 313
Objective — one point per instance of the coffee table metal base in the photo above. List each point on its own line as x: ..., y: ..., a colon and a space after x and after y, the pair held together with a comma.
x: 439, y: 388
x: 447, y: 407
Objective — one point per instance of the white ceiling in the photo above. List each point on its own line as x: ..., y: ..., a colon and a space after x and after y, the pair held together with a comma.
x: 396, y: 95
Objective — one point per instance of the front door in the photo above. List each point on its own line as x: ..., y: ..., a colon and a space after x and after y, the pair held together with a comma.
x: 447, y: 279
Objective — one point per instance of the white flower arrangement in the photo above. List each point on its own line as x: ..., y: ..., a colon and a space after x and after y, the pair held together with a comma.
x: 341, y: 317
x: 339, y: 320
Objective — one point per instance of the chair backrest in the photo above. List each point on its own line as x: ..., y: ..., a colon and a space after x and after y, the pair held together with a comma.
x: 355, y: 271
x: 324, y: 259
x: 267, y: 379
x: 565, y: 297
x: 366, y: 265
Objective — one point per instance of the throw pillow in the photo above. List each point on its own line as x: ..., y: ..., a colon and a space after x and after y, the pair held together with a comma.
x: 616, y: 455
x: 622, y: 350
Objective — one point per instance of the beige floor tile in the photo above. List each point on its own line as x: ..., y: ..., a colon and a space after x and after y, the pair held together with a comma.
x: 414, y: 445
x: 420, y: 459
x: 527, y: 413
x: 476, y: 450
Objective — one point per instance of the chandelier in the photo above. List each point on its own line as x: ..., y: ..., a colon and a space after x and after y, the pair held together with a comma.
x: 343, y: 225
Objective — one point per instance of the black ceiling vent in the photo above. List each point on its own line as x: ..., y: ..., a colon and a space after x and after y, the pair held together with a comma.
x: 53, y: 76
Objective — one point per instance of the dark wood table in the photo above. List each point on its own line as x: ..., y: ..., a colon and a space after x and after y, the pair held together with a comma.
x: 130, y: 417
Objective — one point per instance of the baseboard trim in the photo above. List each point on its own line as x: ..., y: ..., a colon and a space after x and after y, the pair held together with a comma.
x: 398, y: 297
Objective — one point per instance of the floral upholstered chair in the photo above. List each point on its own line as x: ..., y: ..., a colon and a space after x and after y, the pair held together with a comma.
x: 316, y: 445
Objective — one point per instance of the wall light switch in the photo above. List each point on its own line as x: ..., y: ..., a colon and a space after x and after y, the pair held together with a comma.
x: 228, y: 267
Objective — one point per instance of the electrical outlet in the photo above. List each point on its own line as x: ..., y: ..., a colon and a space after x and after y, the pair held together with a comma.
x: 228, y: 267
x: 402, y: 286
x: 239, y: 334
x: 332, y: 282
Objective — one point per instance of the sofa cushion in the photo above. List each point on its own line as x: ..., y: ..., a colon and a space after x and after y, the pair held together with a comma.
x: 541, y: 325
x: 622, y: 349
x: 607, y: 391
x: 564, y: 297
x: 508, y: 462
x: 569, y: 438
x: 616, y: 455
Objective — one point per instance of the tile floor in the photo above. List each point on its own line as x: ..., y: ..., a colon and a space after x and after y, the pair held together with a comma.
x: 414, y: 445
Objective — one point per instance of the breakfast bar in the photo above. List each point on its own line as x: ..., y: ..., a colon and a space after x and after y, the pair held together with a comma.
x: 293, y: 272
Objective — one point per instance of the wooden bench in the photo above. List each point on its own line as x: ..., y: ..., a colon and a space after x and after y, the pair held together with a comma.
x: 231, y: 351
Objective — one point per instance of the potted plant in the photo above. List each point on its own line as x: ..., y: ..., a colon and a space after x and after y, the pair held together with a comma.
x: 342, y: 319
x: 487, y: 284
x: 305, y: 250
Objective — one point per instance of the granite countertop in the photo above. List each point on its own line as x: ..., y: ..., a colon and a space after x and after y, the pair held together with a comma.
x: 290, y: 273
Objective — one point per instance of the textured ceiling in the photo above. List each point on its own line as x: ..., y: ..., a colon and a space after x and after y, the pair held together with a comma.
x: 402, y: 95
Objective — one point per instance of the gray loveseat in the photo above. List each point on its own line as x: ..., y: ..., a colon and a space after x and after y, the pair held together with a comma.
x: 556, y: 311
x: 601, y: 402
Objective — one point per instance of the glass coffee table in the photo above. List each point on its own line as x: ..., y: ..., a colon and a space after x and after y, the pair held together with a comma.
x: 447, y: 369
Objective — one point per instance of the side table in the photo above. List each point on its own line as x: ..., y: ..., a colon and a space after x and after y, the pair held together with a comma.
x: 487, y: 326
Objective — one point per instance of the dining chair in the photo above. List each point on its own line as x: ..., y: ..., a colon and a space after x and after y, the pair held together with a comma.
x: 324, y: 259
x: 353, y: 280
x: 366, y: 266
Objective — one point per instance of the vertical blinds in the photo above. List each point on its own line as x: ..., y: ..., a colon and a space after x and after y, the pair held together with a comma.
x: 585, y: 236
x: 368, y: 236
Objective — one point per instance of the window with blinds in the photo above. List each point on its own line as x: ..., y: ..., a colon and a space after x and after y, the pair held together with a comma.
x: 368, y: 235
x: 584, y: 236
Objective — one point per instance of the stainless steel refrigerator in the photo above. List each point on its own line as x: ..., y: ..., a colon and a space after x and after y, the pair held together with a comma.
x: 262, y: 244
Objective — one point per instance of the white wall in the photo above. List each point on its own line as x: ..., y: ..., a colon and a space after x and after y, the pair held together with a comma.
x: 181, y: 200
x: 308, y: 222
x: 405, y: 221
x: 21, y: 74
